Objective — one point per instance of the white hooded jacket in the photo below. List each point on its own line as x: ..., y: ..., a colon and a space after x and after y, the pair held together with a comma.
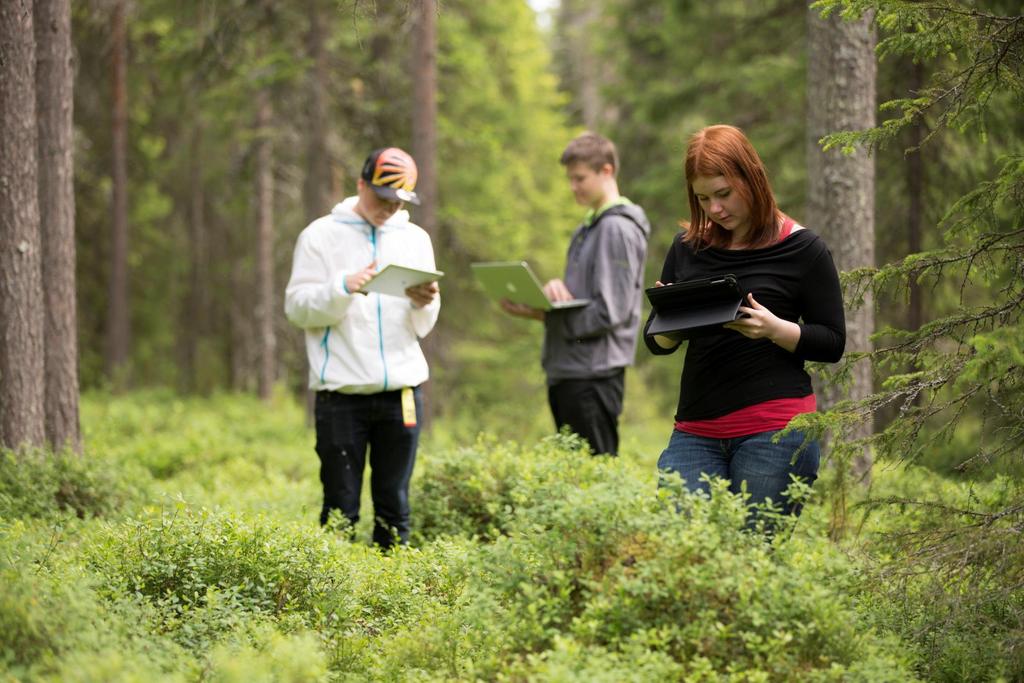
x: 359, y: 343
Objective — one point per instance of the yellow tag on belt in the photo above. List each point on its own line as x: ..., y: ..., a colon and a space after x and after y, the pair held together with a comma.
x: 408, y: 407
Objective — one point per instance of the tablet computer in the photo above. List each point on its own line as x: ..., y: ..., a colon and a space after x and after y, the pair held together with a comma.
x: 513, y: 280
x: 393, y: 279
x: 694, y: 308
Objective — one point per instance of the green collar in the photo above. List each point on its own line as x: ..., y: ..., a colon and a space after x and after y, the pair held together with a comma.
x: 590, y: 216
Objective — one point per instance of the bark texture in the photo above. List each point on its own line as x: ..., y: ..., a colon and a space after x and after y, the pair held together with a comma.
x: 22, y: 423
x: 424, y: 150
x: 841, y: 193
x: 54, y: 106
x: 318, y: 188
x: 119, y: 319
x: 424, y: 122
x: 265, y: 267
x: 582, y: 67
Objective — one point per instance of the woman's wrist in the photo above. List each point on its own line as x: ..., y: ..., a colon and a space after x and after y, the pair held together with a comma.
x: 786, y: 335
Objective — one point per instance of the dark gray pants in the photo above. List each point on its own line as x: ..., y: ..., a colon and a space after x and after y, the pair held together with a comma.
x: 346, y: 424
x: 591, y: 408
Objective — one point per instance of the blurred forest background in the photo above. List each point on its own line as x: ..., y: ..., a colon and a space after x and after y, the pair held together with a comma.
x: 182, y: 147
x: 242, y: 121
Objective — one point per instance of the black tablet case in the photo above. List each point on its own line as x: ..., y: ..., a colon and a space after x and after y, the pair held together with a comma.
x: 684, y: 310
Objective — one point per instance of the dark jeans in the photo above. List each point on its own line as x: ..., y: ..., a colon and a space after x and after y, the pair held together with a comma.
x: 752, y: 462
x: 591, y: 408
x: 345, y: 425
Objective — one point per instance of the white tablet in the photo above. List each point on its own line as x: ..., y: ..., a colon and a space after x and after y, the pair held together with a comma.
x: 393, y: 279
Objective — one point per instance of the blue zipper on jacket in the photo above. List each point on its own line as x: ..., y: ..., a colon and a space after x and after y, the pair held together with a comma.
x: 380, y: 314
x: 323, y: 343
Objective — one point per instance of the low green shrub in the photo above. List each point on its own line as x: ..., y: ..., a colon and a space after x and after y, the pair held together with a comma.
x: 213, y: 576
x: 230, y: 451
x: 55, y: 626
x: 45, y: 485
x: 272, y: 657
x: 587, y: 568
x: 190, y: 551
x: 28, y: 629
x: 478, y: 491
x: 209, y: 572
x: 615, y: 569
x: 170, y: 435
x: 943, y: 570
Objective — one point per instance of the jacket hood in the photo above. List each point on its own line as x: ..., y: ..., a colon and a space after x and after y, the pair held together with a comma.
x: 345, y: 211
x: 634, y: 213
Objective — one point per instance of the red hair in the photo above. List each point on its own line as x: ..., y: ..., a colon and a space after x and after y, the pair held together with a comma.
x: 725, y: 151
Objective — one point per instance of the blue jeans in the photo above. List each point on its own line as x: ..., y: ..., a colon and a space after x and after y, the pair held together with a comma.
x: 764, y: 467
x: 346, y: 424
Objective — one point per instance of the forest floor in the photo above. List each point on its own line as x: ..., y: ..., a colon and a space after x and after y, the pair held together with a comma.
x: 184, y: 546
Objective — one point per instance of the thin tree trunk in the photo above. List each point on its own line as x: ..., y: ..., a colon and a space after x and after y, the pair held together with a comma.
x: 841, y: 193
x: 915, y: 199
x: 239, y: 330
x: 22, y: 417
x: 424, y: 123
x: 236, y: 242
x: 578, y: 18
x: 118, y: 321
x: 424, y: 150
x: 193, y: 324
x: 54, y: 106
x: 318, y: 190
x: 265, y: 265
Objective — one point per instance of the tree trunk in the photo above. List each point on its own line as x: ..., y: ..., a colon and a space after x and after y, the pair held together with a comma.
x: 318, y: 190
x: 241, y: 332
x: 54, y: 106
x: 22, y: 421
x: 841, y: 96
x: 118, y: 321
x: 194, y: 315
x: 424, y: 122
x: 915, y: 200
x: 582, y: 68
x: 424, y: 150
x: 265, y: 264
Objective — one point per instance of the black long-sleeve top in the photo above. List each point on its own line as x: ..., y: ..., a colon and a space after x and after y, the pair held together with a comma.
x: 797, y: 281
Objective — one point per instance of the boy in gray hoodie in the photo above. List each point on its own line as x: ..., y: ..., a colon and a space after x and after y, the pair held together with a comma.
x: 587, y: 349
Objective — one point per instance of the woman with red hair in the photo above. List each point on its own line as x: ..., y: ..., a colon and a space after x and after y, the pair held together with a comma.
x: 742, y: 386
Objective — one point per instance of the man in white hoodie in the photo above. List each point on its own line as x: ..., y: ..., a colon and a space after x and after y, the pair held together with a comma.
x: 365, y: 361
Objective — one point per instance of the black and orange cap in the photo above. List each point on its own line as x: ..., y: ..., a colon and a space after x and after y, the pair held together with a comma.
x: 392, y: 174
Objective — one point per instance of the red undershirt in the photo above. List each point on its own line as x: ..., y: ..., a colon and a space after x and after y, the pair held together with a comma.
x: 767, y: 416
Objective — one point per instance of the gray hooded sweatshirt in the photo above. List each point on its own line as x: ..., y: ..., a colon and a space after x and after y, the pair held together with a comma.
x: 606, y: 265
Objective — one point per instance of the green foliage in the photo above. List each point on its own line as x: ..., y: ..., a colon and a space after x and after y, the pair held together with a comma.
x: 476, y: 491
x: 53, y: 623
x: 274, y: 657
x: 50, y: 486
x: 943, y: 569
x: 194, y: 75
x: 205, y: 448
x: 494, y: 72
x: 208, y: 573
x: 948, y: 573
x: 980, y: 45
x: 586, y: 563
x: 965, y: 361
x: 670, y: 68
x: 583, y: 570
x: 533, y: 561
